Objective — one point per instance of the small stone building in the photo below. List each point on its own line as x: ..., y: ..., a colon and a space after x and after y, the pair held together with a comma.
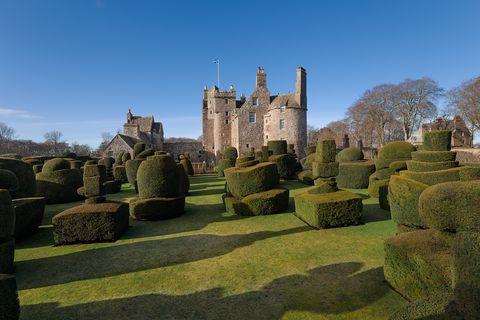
x: 461, y: 135
x: 252, y: 121
x: 136, y: 129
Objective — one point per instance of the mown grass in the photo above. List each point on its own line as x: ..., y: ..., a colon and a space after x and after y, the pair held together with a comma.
x: 209, y: 264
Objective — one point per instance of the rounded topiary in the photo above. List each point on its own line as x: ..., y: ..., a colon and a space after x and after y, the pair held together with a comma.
x: 350, y: 154
x: 451, y: 206
x: 230, y: 153
x: 120, y: 173
x: 355, y: 174
x: 375, y: 183
x: 224, y: 164
x: 145, y: 153
x: 469, y: 173
x: 107, y: 162
x: 183, y: 181
x: 131, y: 167
x: 125, y: 157
x: 245, y: 181
x: 277, y: 147
x: 437, y: 140
x: 7, y: 215
x: 307, y: 161
x: 396, y: 150
x: 59, y: 186
x: 137, y: 148
x: 55, y: 164
x: 8, y: 181
x: 26, y: 177
x: 187, y: 165
x: 398, y: 165
x: 158, y: 177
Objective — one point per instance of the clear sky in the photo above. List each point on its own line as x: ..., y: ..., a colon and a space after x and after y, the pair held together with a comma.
x: 78, y: 65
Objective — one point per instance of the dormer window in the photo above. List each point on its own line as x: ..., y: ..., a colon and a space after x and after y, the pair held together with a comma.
x: 282, y: 109
x: 254, y: 101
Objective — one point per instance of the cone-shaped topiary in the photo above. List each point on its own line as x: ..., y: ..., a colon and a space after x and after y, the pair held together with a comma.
x: 25, y: 175
x: 350, y: 154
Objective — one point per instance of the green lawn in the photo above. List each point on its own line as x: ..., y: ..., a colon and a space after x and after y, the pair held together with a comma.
x: 209, y: 264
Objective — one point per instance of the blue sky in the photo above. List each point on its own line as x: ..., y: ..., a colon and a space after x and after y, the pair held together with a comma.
x: 78, y: 65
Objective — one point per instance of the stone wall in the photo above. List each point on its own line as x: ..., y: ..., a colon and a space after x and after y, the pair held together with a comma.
x: 195, y: 149
x: 467, y: 155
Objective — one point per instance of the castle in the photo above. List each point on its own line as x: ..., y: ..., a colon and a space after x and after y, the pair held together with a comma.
x: 251, y: 122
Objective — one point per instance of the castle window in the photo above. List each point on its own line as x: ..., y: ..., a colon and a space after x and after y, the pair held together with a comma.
x: 226, y: 121
x: 282, y: 109
x: 210, y: 111
x: 266, y: 137
x: 282, y: 123
x: 226, y: 113
x: 248, y: 146
x: 226, y: 101
x: 252, y: 117
x: 255, y: 101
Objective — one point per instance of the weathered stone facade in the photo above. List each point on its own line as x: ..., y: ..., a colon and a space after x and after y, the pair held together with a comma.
x: 194, y: 149
x: 461, y: 135
x: 251, y: 122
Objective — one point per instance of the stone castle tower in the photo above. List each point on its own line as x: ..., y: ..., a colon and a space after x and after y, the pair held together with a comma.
x: 251, y: 122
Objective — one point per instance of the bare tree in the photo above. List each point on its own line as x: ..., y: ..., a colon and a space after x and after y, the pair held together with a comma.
x: 106, y: 138
x: 414, y: 102
x: 311, y: 132
x: 6, y: 132
x: 466, y: 101
x: 53, y: 137
x: 80, y: 149
x: 340, y: 129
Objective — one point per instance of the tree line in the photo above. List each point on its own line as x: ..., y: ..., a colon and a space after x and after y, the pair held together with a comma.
x: 390, y: 112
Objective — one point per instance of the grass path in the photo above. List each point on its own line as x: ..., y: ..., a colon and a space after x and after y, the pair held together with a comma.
x: 209, y: 264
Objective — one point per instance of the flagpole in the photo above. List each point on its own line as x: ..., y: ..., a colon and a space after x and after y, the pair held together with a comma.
x: 218, y: 73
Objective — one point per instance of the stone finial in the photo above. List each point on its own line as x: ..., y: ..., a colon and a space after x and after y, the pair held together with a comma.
x: 232, y: 88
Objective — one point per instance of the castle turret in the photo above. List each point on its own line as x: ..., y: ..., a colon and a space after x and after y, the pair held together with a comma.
x: 261, y: 78
x: 301, y: 87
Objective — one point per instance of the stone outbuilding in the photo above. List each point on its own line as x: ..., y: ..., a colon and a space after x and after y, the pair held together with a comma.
x: 461, y: 135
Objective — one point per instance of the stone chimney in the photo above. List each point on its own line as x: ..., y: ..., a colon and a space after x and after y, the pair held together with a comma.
x: 261, y: 78
x: 301, y: 87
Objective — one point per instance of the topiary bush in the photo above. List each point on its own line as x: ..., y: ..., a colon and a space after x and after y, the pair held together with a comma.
x: 224, y: 164
x: 137, y: 149
x: 118, y: 158
x: 90, y: 223
x: 307, y: 161
x: 310, y: 150
x: 277, y: 147
x: 157, y: 208
x: 183, y: 181
x: 230, y: 153
x: 306, y: 177
x: 131, y: 167
x: 187, y: 165
x: 59, y: 186
x: 120, y: 173
x: 9, y: 304
x: 403, y: 198
x: 398, y: 150
x: 26, y: 177
x: 350, y: 154
x: 419, y: 264
x: 434, y: 156
x: 325, y: 170
x: 326, y: 210
x: 437, y: 140
x: 286, y: 165
x: 326, y: 151
x: 55, y: 165
x: 9, y: 181
x: 433, y: 177
x: 7, y: 224
x: 261, y: 203
x: 28, y: 216
x: 125, y: 157
x: 158, y: 177
x: 76, y: 164
x: 145, y: 154
x: 469, y: 173
x: 355, y: 174
x: 245, y: 181
x: 420, y: 166
x: 449, y: 206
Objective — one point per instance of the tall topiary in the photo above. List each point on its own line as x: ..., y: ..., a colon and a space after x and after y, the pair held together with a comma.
x: 7, y: 224
x: 26, y: 177
x: 230, y: 155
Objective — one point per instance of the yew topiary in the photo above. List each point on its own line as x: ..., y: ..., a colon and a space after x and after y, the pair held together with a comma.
x: 245, y: 181
x: 26, y: 177
x: 158, y: 178
x: 277, y: 147
x: 437, y: 140
x: 350, y: 154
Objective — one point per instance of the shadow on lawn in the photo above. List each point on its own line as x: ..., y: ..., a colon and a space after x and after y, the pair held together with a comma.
x: 332, y: 289
x: 132, y: 257
x: 373, y: 212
